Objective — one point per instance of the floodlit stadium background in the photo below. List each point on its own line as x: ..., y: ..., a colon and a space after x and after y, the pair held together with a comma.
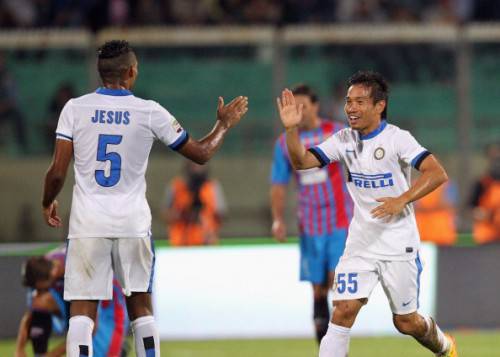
x: 444, y: 75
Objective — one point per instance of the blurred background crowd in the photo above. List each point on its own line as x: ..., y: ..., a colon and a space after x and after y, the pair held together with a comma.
x: 96, y: 14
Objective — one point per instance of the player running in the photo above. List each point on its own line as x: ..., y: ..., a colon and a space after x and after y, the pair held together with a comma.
x: 324, y: 207
x: 109, y: 133
x: 383, y: 240
x: 48, y: 312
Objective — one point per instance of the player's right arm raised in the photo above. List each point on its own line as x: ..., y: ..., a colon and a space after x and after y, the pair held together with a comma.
x: 200, y: 151
x: 291, y: 115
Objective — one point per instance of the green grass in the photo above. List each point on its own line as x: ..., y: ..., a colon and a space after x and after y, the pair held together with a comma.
x: 473, y: 344
x: 464, y: 240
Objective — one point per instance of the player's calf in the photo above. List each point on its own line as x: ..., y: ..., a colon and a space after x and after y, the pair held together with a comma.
x: 424, y: 330
x: 79, y: 339
x: 410, y: 324
x: 146, y: 336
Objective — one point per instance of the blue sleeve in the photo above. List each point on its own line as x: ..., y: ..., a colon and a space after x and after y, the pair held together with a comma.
x: 281, y: 169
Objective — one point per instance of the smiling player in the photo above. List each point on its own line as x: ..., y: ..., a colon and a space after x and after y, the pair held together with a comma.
x: 324, y: 207
x: 383, y: 240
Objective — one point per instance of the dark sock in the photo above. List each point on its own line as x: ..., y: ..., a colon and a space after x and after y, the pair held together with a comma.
x: 40, y: 330
x: 321, y: 317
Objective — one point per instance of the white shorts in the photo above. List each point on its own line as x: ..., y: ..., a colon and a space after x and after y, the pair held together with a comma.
x: 356, y: 277
x: 90, y: 263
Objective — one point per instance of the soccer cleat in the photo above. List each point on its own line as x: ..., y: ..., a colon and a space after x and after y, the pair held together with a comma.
x: 452, y: 351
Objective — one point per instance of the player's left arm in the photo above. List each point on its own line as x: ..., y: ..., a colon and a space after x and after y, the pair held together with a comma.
x: 432, y: 176
x: 54, y: 181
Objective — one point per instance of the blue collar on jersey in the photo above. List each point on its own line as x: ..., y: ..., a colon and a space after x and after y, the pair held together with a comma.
x: 374, y: 133
x: 113, y: 92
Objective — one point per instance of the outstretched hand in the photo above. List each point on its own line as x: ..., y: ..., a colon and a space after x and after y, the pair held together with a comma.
x: 391, y: 206
x: 290, y: 112
x: 50, y: 215
x: 232, y: 113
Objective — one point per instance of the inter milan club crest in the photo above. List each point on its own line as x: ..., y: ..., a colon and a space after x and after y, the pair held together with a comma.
x: 379, y: 153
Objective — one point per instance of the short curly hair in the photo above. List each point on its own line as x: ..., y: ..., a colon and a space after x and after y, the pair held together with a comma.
x: 379, y: 88
x: 35, y: 269
x: 113, y: 59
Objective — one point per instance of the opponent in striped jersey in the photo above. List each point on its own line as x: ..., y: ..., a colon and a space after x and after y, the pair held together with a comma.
x: 48, y: 312
x: 383, y: 241
x: 324, y: 206
x: 109, y: 133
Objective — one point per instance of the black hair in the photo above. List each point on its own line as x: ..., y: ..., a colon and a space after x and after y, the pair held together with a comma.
x: 304, y: 89
x: 379, y: 88
x: 35, y: 269
x: 113, y: 59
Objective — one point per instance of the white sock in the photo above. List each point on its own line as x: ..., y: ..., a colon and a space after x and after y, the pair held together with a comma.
x: 147, y: 339
x: 79, y: 339
x: 443, y: 340
x: 336, y: 341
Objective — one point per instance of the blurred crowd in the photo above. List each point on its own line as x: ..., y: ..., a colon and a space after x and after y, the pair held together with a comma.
x: 95, y: 14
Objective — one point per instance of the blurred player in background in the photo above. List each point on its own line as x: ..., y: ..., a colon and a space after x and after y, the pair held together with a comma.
x: 485, y: 200
x: 435, y: 214
x: 48, y: 312
x: 194, y: 207
x: 109, y: 133
x: 383, y: 241
x: 324, y: 206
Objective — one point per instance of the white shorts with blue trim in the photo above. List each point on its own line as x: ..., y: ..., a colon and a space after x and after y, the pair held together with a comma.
x: 356, y: 277
x: 91, y: 262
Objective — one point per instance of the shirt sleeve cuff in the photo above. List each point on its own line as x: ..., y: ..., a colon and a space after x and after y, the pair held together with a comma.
x: 419, y: 159
x: 320, y: 155
x: 63, y: 137
x: 180, y: 141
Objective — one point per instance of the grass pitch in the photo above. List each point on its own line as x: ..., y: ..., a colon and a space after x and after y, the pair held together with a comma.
x: 473, y: 344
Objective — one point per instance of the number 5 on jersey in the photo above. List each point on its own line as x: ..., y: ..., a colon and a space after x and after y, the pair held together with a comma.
x: 351, y: 284
x: 113, y: 157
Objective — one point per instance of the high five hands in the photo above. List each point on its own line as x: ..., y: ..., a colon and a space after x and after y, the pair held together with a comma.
x: 290, y: 112
x: 232, y: 113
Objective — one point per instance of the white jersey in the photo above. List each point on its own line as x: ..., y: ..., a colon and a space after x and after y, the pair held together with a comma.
x: 112, y: 133
x: 378, y: 165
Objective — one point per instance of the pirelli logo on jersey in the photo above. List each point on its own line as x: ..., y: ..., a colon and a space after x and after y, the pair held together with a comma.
x: 371, y: 181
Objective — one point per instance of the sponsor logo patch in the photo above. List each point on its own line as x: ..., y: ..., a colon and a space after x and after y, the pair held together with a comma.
x: 177, y: 127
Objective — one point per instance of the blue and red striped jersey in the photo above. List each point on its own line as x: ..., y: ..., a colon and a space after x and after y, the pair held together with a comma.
x: 323, y: 200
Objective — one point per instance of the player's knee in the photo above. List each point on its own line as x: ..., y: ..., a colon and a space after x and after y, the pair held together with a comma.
x: 138, y: 305
x: 405, y: 324
x: 344, y: 313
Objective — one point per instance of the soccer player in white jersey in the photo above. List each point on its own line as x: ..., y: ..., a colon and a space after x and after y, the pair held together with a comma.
x: 109, y: 133
x: 383, y: 241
